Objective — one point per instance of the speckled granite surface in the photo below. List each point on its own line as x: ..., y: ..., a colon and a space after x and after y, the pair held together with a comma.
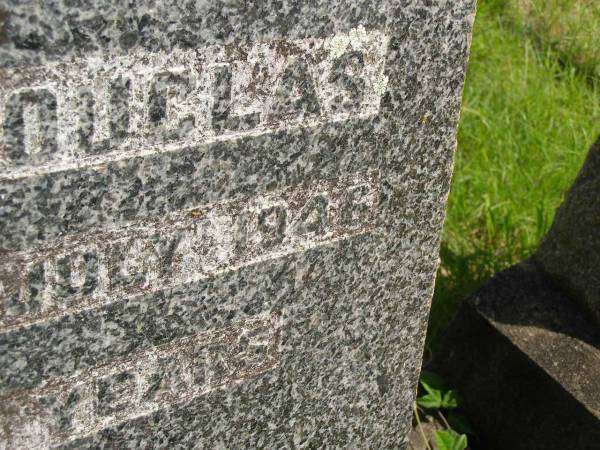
x: 219, y: 221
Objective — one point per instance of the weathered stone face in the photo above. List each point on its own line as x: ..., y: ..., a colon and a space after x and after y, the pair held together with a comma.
x: 219, y: 221
x: 571, y: 250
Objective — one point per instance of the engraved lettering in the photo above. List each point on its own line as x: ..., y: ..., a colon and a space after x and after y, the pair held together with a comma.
x: 222, y: 116
x: 171, y: 375
x: 118, y: 108
x: 217, y: 367
x: 85, y: 105
x: 89, y: 112
x: 76, y: 274
x: 296, y: 94
x: 30, y: 126
x: 34, y: 287
x: 346, y: 74
x: 313, y: 217
x: 271, y: 225
x: 115, y: 392
x: 165, y: 247
x: 89, y: 401
x: 87, y: 271
x: 67, y: 409
x: 357, y: 205
x: 253, y: 346
x: 168, y: 91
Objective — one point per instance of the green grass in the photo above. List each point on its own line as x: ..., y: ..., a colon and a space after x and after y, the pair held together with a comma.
x: 569, y: 27
x: 526, y: 124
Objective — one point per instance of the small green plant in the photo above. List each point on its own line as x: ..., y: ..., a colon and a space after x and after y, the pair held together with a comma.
x: 442, y: 402
x: 450, y: 440
x: 436, y: 397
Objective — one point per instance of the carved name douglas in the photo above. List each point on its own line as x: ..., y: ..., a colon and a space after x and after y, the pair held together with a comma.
x: 87, y: 112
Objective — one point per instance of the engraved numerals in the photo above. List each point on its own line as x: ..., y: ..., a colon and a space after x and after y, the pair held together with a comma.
x: 90, y: 270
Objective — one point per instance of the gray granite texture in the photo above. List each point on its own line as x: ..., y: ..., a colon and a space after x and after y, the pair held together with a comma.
x: 571, y: 250
x: 220, y: 220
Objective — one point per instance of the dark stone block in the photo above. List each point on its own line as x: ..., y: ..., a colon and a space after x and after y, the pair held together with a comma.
x: 570, y: 252
x: 527, y: 362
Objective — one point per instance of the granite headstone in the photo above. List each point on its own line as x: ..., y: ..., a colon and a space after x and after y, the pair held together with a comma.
x: 219, y: 220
